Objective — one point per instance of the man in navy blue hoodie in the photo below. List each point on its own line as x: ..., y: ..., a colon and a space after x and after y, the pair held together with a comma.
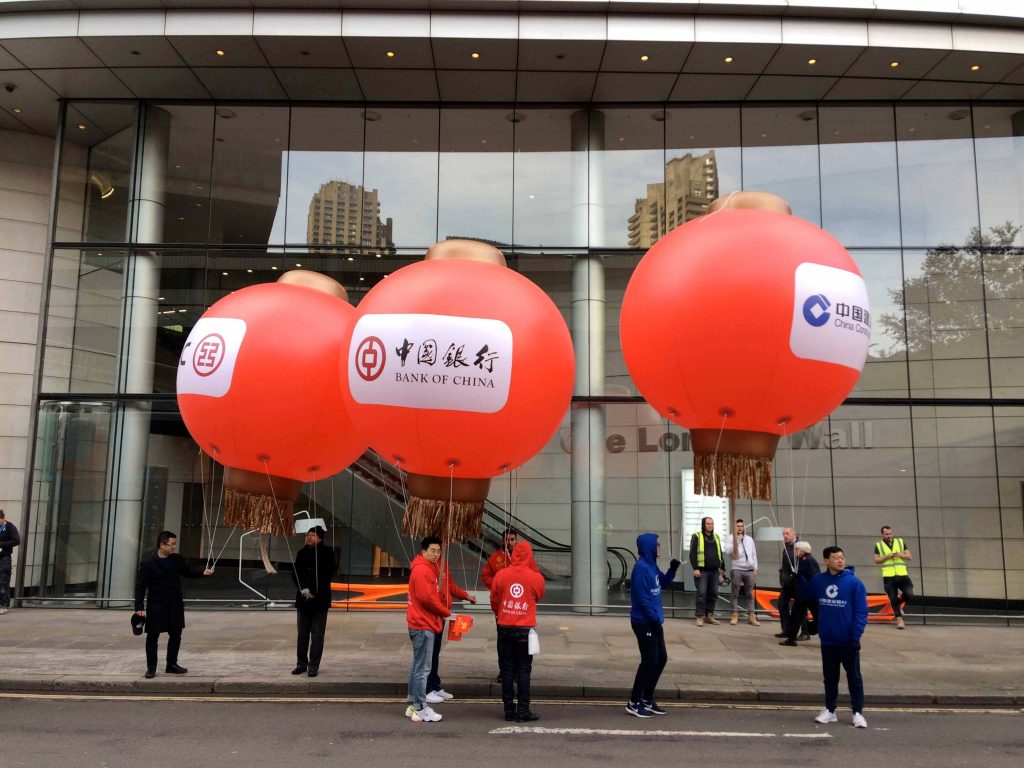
x: 647, y: 617
x: 842, y: 604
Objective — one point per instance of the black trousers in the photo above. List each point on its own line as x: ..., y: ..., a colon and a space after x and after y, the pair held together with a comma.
x: 797, y: 619
x: 173, y: 645
x: 832, y: 657
x: 434, y: 679
x: 516, y: 664
x: 900, y: 590
x: 786, y: 593
x: 650, y: 638
x: 5, y: 581
x: 312, y: 626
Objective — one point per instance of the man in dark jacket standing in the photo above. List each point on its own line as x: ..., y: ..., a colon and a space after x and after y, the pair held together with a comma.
x: 163, y: 608
x: 314, y: 568
x: 9, y: 539
x: 706, y: 561
x: 842, y: 603
x: 647, y: 617
x: 806, y: 569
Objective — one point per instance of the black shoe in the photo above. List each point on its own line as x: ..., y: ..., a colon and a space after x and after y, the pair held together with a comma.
x: 527, y: 717
x: 313, y: 671
x: 300, y: 669
x: 781, y: 634
x: 788, y: 641
x: 174, y: 669
x: 510, y: 716
x: 803, y: 636
x: 150, y: 674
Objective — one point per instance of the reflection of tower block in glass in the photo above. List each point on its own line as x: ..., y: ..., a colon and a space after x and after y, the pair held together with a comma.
x: 347, y: 214
x: 386, y: 565
x: 691, y: 183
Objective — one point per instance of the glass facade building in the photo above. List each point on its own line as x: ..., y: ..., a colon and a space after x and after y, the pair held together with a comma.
x: 160, y: 207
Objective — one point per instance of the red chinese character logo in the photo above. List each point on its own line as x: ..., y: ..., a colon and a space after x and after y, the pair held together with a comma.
x: 209, y: 355
x: 370, y: 358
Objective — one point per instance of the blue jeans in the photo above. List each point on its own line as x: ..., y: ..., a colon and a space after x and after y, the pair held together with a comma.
x: 422, y: 647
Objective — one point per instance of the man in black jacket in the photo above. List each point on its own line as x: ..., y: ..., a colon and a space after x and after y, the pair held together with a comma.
x: 160, y: 575
x: 787, y: 591
x: 9, y: 539
x: 314, y: 568
x: 806, y: 569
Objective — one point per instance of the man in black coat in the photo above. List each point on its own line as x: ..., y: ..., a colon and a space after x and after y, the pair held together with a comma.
x: 806, y: 569
x: 9, y: 539
x: 314, y: 569
x: 160, y: 574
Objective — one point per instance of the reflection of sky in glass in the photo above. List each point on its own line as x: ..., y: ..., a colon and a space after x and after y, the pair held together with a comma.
x: 306, y: 173
x: 1001, y: 181
x: 860, y: 194
x: 882, y: 274
x: 543, y: 198
x: 625, y: 175
x: 408, y: 193
x: 791, y: 172
x: 938, y: 197
x: 476, y: 196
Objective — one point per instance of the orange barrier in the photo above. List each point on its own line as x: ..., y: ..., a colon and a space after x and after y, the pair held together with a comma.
x: 879, y: 608
x: 370, y: 597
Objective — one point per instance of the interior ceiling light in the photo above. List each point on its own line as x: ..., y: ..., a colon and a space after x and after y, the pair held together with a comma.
x: 975, y: 67
x: 645, y: 57
x: 474, y: 55
x: 81, y: 126
x: 249, y: 271
x: 17, y: 110
x: 224, y: 273
x: 274, y: 268
x: 298, y: 265
x: 102, y: 183
x: 812, y: 62
x: 219, y: 52
x: 350, y: 258
x: 728, y: 59
x: 390, y: 54
x: 894, y: 64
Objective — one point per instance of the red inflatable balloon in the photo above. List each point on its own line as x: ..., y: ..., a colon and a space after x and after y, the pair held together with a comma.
x: 750, y: 320
x: 458, y: 366
x: 258, y: 387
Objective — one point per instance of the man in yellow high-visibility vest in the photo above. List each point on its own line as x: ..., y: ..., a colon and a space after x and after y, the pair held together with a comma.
x: 706, y: 561
x: 892, y: 555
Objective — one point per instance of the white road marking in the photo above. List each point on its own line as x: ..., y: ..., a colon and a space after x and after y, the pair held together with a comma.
x: 633, y: 733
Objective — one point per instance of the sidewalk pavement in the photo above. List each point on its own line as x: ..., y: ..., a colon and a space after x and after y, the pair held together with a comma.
x: 368, y: 653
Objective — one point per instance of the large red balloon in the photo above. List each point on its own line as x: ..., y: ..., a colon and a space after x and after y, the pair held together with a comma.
x: 458, y: 366
x: 749, y: 318
x: 258, y: 385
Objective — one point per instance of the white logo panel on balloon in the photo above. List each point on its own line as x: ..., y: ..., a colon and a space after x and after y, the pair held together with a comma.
x: 436, y: 362
x: 207, y: 362
x: 831, y: 317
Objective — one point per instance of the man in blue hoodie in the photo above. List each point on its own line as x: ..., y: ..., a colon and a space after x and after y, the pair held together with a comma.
x: 842, y: 604
x: 647, y: 617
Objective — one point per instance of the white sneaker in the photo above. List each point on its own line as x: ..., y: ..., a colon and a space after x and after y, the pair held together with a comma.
x: 859, y: 721
x: 3, y: 611
x: 434, y: 697
x: 826, y: 717
x: 411, y: 714
x: 444, y: 694
x: 428, y: 715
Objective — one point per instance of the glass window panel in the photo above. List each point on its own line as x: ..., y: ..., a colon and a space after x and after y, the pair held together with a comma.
x: 885, y: 373
x: 859, y: 186
x: 1009, y: 436
x: 543, y: 178
x: 999, y: 152
x: 627, y: 173
x: 327, y: 203
x: 475, y: 175
x: 188, y: 168
x: 84, y: 318
x: 702, y: 162
x: 1004, y: 309
x: 780, y: 155
x: 250, y: 164
x: 95, y: 173
x: 938, y: 192
x: 945, y: 317
x: 401, y: 163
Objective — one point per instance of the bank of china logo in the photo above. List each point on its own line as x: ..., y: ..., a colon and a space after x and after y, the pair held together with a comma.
x: 516, y: 590
x: 832, y: 590
x: 816, y: 310
x: 370, y: 358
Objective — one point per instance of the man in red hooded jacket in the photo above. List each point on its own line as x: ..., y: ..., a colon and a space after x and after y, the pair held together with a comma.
x: 425, y: 617
x: 514, y: 595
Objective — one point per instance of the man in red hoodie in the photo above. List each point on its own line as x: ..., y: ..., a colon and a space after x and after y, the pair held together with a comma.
x: 425, y: 616
x: 514, y: 595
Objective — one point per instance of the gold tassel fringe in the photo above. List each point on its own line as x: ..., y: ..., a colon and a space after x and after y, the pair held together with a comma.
x: 732, y: 476
x: 432, y: 517
x: 257, y: 512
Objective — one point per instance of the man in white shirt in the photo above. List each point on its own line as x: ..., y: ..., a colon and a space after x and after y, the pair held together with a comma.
x: 743, y: 564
